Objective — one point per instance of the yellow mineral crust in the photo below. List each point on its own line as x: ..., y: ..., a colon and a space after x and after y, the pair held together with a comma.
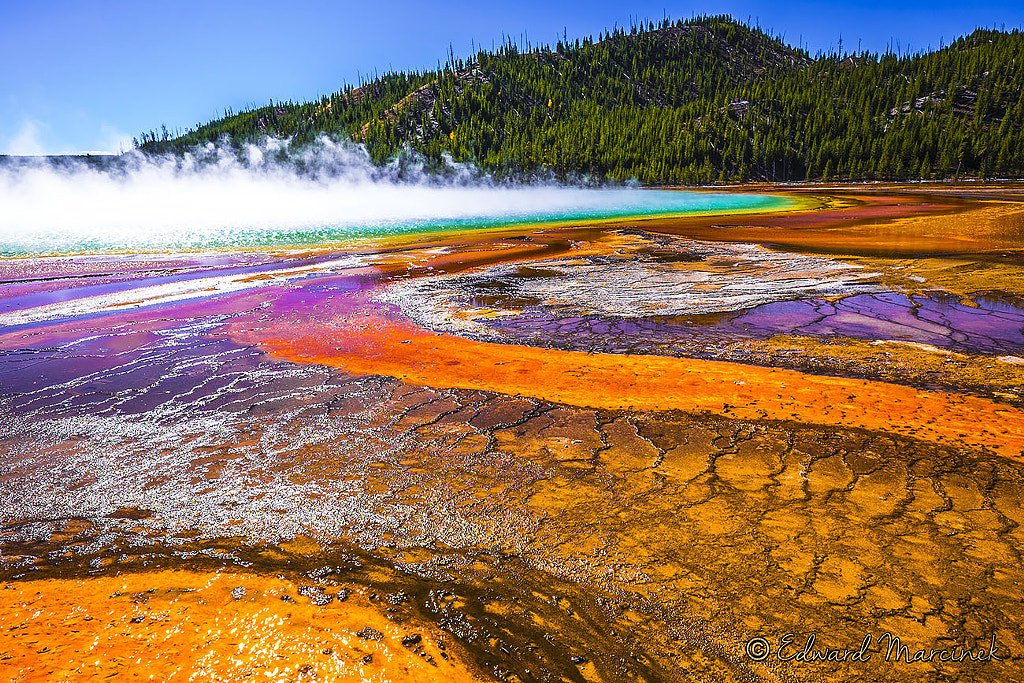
x: 192, y: 626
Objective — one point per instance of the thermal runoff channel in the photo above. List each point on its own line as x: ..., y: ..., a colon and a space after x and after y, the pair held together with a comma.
x: 272, y: 195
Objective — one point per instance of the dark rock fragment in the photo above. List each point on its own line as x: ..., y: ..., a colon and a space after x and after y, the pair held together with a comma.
x: 367, y: 633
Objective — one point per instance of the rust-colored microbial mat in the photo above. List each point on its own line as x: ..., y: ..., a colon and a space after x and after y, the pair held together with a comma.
x: 208, y: 627
x: 651, y: 383
x: 625, y: 450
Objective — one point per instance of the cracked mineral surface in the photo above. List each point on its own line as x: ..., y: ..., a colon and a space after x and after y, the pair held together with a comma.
x: 584, y: 453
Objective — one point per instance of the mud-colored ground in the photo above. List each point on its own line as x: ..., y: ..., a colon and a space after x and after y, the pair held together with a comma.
x: 608, y: 453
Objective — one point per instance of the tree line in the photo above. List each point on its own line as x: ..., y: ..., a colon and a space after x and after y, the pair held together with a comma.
x: 705, y: 100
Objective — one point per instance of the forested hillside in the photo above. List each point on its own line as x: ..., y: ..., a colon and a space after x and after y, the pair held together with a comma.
x: 697, y: 101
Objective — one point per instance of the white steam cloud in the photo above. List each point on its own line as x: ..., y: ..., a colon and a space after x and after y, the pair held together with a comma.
x: 274, y: 193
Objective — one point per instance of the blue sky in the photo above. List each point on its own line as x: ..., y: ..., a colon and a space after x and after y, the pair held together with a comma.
x: 79, y: 75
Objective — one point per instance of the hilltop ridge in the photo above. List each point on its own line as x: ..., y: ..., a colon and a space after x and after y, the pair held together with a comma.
x: 698, y: 101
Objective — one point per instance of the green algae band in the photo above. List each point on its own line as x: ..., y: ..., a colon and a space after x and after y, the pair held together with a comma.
x: 519, y: 206
x: 153, y: 210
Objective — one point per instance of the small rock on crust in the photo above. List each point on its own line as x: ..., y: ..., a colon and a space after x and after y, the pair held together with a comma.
x: 367, y: 633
